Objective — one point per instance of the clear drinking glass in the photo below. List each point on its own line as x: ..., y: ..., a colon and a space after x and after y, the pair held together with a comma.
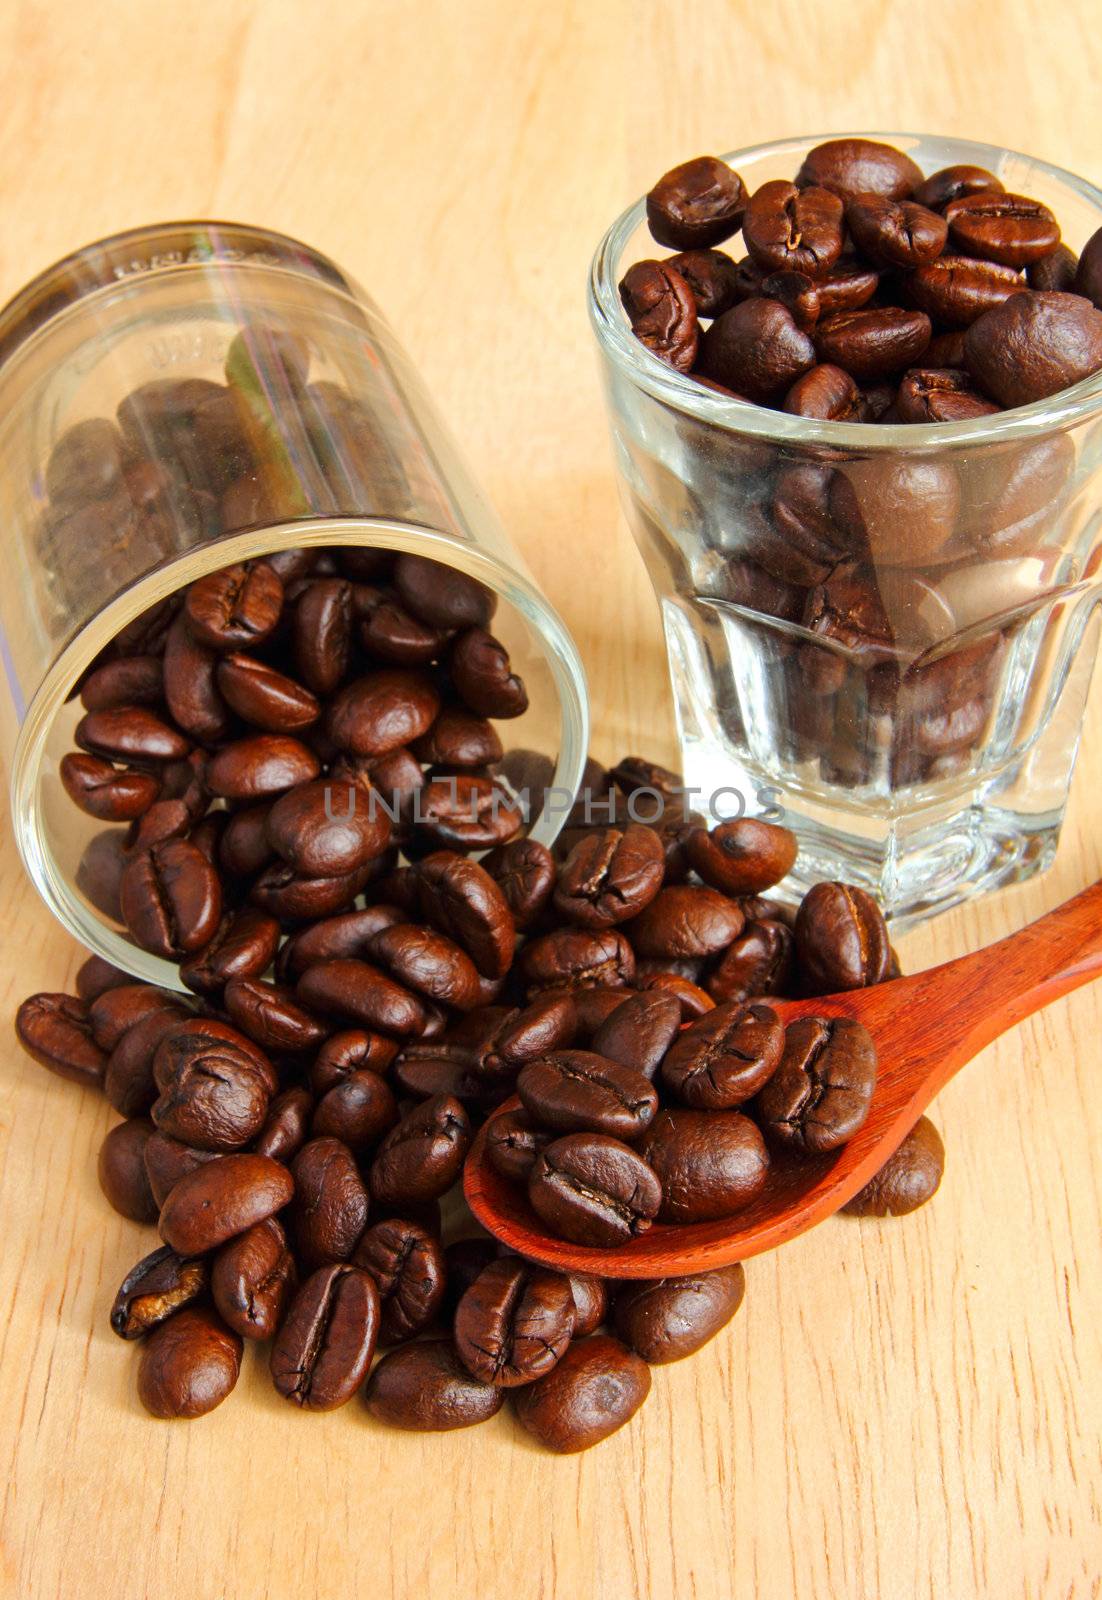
x: 924, y: 753
x: 289, y: 417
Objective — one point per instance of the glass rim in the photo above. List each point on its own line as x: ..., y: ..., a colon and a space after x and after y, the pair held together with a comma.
x: 680, y: 391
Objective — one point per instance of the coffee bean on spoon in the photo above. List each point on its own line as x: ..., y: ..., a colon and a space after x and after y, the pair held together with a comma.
x: 709, y: 1164
x: 721, y: 1060
x: 577, y: 1091
x: 594, y: 1190
x: 821, y: 1092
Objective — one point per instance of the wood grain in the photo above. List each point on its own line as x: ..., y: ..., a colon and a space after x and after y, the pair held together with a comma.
x: 900, y: 1411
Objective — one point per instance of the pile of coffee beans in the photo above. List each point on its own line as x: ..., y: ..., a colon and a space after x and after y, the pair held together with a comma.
x: 298, y: 1139
x: 868, y: 292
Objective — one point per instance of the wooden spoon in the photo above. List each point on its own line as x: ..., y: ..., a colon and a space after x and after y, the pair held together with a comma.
x: 926, y: 1027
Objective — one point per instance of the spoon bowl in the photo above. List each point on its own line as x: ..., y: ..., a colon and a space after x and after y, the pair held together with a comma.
x: 926, y: 1028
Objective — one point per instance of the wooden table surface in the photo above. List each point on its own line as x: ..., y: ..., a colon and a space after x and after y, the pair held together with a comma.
x: 900, y: 1409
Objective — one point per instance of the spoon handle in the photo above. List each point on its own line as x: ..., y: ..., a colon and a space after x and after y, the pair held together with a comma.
x: 995, y: 988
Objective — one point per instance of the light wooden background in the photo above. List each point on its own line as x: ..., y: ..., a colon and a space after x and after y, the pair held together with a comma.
x: 900, y: 1410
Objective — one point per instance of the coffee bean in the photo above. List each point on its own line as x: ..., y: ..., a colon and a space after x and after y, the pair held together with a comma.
x: 243, y: 849
x: 860, y: 166
x: 697, y: 204
x: 425, y: 1387
x: 929, y: 395
x: 667, y: 1319
x: 85, y: 463
x: 1057, y: 270
x: 849, y: 284
x: 105, y: 791
x: 841, y: 939
x: 709, y: 1164
x: 95, y: 976
x: 428, y: 963
x: 758, y: 962
x: 361, y: 993
x: 757, y: 350
x: 344, y: 1054
x: 188, y: 1365
x: 441, y: 595
x: 286, y: 1125
x: 662, y: 310
x: 638, y: 1032
x: 524, y: 871
x: 255, y: 768
x: 252, y: 1279
x: 1007, y: 228
x: 358, y: 1111
x: 827, y: 393
x: 264, y: 697
x: 244, y: 946
x: 216, y: 1096
x: 322, y: 634
x: 955, y: 290
x: 514, y: 1323
x: 821, y: 1093
x: 577, y: 959
x: 743, y: 856
x: 235, y: 608
x: 285, y: 894
x: 895, y: 233
x: 130, y: 733
x: 873, y: 342
x: 329, y: 1211
x: 190, y: 687
x: 1034, y: 345
x: 121, y: 1170
x: 797, y: 292
x: 461, y: 899
x: 459, y: 739
x: 324, y: 1348
x: 421, y: 1158
x: 791, y: 229
x: 407, y: 1264
x: 686, y: 920
x: 593, y: 1190
x: 712, y: 278
x: 949, y: 183
x: 207, y: 1038
x: 902, y: 508
x: 382, y: 711
x: 595, y: 1389
x: 512, y: 1144
x: 907, y: 1179
x: 221, y: 1199
x: 161, y: 1284
x: 483, y: 675
x: 1088, y: 275
x: 576, y: 1091
x: 167, y: 1160
x: 56, y: 1031
x: 721, y: 1060
x: 610, y: 876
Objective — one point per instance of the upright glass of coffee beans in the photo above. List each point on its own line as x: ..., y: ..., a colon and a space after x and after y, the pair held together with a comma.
x: 244, y: 564
x: 855, y: 391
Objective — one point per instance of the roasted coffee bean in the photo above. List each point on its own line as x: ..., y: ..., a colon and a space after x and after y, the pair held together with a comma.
x: 1033, y: 345
x: 483, y: 676
x: 426, y: 1388
x: 949, y: 183
x: 461, y: 899
x: 1088, y: 275
x: 202, y: 1037
x: 56, y: 1030
x: 222, y: 1198
x: 639, y: 1032
x: 113, y: 1014
x: 907, y: 1179
x: 514, y: 1323
x: 358, y: 1111
x: 344, y: 1054
x: 130, y: 733
x: 243, y: 849
x: 1057, y: 270
x: 662, y: 310
x: 895, y: 233
x: 576, y: 1091
x: 95, y: 976
x: 407, y: 1265
x: 841, y: 939
x: 757, y: 350
x: 955, y: 290
x: 287, y: 895
x: 243, y: 947
x: 215, y: 1096
x: 421, y: 1158
x: 821, y: 1093
x: 590, y: 1297
x: 595, y: 1389
x: 860, y: 166
x: 392, y: 635
x: 235, y: 608
x: 873, y: 342
x: 577, y: 959
x: 697, y: 204
x: 329, y: 1211
x: 324, y: 1348
x: 610, y: 876
x: 929, y: 395
x: 902, y: 508
x: 758, y: 962
x: 797, y: 292
x: 849, y: 284
x: 685, y: 920
x: 382, y: 711
x: 361, y: 993
x: 167, y: 1160
x: 190, y: 687
x: 809, y: 542
x: 161, y: 1284
x: 791, y: 229
x: 121, y: 1170
x: 743, y: 856
x: 264, y: 697
x: 459, y: 739
x: 109, y: 793
x: 441, y: 595
x: 322, y: 634
x: 667, y: 1319
x: 1007, y: 228
x: 347, y: 935
x: 724, y: 1058
x: 709, y: 1164
x: 594, y: 1190
x: 255, y: 768
x: 429, y: 963
x: 252, y: 1279
x: 286, y: 1125
x: 188, y: 1365
x: 512, y: 1144
x: 712, y: 278
x: 524, y: 871
x: 826, y: 393
x: 318, y: 833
